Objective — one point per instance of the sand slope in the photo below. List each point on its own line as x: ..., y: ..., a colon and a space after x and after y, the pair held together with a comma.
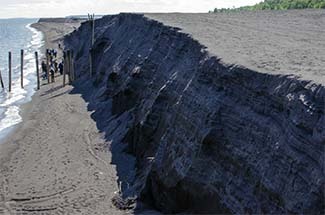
x: 275, y: 42
x: 61, y: 164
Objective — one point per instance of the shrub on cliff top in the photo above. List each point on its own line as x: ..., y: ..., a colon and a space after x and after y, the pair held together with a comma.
x: 278, y: 5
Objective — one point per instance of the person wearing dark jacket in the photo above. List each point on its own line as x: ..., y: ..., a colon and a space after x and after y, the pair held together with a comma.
x: 61, y: 68
x: 44, y: 69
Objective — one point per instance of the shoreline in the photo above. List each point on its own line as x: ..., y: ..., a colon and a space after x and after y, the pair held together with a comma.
x: 26, y: 107
x: 56, y: 155
x: 29, y: 89
x: 182, y: 131
x: 6, y: 146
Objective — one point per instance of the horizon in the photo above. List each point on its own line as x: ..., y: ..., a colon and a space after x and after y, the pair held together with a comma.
x: 63, y: 8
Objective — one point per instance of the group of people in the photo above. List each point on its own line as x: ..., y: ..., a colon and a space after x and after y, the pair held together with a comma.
x: 54, y: 66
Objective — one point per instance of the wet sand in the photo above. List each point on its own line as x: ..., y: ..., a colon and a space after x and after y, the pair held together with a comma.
x: 56, y: 162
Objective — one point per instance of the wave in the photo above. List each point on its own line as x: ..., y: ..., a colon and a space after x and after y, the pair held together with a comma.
x: 11, y: 102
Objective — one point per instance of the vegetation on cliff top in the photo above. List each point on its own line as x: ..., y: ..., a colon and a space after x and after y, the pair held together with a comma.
x: 278, y: 5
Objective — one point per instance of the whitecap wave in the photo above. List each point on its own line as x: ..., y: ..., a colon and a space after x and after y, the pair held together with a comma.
x: 10, y: 107
x: 11, y: 118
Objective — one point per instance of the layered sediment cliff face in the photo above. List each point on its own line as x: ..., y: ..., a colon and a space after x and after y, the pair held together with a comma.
x: 207, y: 137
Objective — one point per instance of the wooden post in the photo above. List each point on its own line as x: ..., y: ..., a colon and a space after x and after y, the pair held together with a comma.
x: 22, y: 68
x: 64, y: 66
x: 93, y: 30
x: 91, y: 19
x: 92, y: 23
x: 37, y: 70
x: 53, y: 77
x: 9, y: 71
x: 90, y: 63
x: 72, y: 67
x: 2, y: 85
x: 69, y: 65
x: 47, y: 66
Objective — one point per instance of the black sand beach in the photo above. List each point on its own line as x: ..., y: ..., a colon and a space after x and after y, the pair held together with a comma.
x: 210, y: 118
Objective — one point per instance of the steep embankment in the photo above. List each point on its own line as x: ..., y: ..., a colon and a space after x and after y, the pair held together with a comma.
x: 206, y: 137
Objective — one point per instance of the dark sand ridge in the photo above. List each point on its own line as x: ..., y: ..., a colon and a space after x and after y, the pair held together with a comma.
x: 275, y: 42
x: 56, y: 162
x: 207, y: 137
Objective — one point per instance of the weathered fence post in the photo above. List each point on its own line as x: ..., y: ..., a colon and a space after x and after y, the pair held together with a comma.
x: 2, y: 85
x: 52, y: 77
x: 9, y: 71
x: 93, y: 30
x: 22, y: 68
x: 37, y: 71
x: 47, y: 66
x: 91, y: 19
x: 92, y: 23
x: 90, y: 63
x: 72, y: 67
x: 69, y: 66
x: 64, y: 67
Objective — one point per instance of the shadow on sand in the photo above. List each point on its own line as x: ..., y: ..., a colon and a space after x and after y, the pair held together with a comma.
x: 114, y: 128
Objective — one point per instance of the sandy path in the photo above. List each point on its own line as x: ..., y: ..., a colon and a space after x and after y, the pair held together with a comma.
x: 60, y: 164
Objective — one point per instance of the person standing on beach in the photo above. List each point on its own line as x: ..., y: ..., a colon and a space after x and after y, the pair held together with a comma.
x: 52, y: 73
x: 61, y: 68
x: 55, y: 66
x: 44, y: 69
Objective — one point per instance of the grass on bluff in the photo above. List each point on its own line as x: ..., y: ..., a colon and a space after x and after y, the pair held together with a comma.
x: 277, y: 5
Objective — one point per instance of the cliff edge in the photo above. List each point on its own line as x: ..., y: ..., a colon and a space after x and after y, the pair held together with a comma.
x: 189, y: 133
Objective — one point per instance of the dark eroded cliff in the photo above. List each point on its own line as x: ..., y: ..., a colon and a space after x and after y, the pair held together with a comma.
x: 206, y: 137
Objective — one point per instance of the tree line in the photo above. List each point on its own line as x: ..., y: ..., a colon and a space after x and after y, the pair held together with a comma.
x: 278, y: 5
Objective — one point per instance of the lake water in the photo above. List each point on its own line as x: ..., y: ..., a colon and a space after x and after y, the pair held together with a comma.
x: 16, y: 34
